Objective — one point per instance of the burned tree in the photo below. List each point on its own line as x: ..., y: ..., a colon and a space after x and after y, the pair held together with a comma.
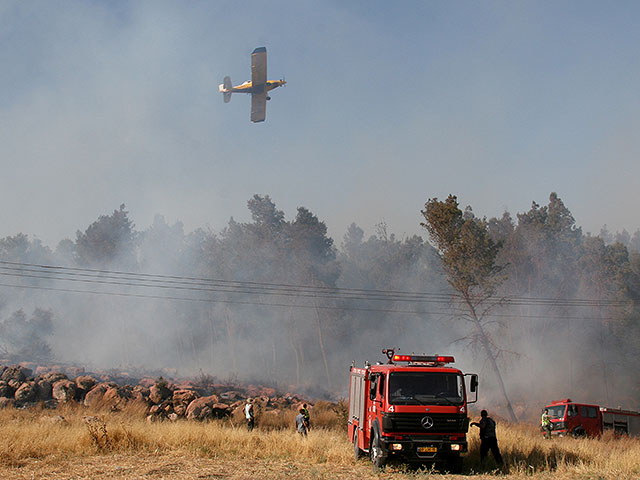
x: 469, y: 259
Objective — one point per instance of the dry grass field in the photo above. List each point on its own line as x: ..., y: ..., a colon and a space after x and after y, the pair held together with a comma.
x: 73, y: 443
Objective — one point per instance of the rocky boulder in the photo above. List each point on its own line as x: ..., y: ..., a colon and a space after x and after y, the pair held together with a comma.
x: 64, y: 390
x: 94, y: 397
x: 6, y: 402
x: 162, y: 411
x: 167, y: 407
x: 43, y: 389
x: 181, y: 400
x: 26, y: 393
x: 85, y: 382
x: 159, y: 392
x: 205, y: 408
x: 16, y: 373
x: 15, y: 384
x: 232, y: 396
x: 53, y: 377
x: 140, y: 394
x: 220, y: 410
x: 200, y: 412
x: 116, y: 397
x: 6, y: 390
x: 259, y: 391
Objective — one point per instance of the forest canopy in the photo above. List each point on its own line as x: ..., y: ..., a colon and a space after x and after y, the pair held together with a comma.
x: 277, y: 299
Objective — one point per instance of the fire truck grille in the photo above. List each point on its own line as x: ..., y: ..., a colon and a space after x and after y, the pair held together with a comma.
x: 417, y: 423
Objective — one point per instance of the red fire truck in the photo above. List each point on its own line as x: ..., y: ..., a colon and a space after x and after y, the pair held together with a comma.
x: 580, y: 419
x: 412, y: 409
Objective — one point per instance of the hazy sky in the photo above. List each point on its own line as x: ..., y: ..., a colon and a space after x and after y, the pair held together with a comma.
x: 387, y: 104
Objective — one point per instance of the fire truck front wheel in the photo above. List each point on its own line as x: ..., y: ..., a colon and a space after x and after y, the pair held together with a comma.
x: 578, y: 432
x: 454, y: 464
x: 378, y: 459
x: 357, y: 453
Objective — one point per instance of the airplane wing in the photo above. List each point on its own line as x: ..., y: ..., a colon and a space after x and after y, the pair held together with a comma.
x: 259, y: 67
x: 258, y: 107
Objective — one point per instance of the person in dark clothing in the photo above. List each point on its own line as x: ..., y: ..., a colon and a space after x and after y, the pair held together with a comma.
x: 301, y: 424
x: 307, y: 416
x: 488, y: 439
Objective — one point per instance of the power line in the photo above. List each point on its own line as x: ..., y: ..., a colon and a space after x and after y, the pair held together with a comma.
x: 286, y: 305
x: 251, y: 287
x: 129, y: 281
x: 264, y: 288
x: 206, y: 285
x: 210, y: 300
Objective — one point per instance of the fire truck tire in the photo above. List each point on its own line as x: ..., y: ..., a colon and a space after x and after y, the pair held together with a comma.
x: 378, y: 459
x: 578, y: 432
x: 454, y: 464
x: 357, y: 453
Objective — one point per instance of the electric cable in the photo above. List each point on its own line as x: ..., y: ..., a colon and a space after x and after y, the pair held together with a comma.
x: 287, y: 305
x: 216, y: 286
x: 263, y: 288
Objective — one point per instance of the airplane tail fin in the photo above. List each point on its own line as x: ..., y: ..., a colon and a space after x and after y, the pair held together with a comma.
x: 225, y: 88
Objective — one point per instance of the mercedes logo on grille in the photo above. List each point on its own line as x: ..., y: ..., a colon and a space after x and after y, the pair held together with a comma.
x: 427, y: 422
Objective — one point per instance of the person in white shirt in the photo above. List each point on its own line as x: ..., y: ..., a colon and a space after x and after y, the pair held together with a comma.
x: 248, y: 413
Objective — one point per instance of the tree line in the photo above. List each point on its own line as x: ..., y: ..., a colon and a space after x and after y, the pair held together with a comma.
x: 531, y: 301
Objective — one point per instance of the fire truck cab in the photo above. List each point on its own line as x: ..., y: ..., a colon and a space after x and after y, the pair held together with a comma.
x: 579, y: 419
x: 412, y: 409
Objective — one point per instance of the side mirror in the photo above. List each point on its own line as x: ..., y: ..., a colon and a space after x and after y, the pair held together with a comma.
x: 473, y: 387
x: 474, y: 383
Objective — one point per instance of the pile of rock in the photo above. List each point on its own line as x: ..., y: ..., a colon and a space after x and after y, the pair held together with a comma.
x: 160, y: 399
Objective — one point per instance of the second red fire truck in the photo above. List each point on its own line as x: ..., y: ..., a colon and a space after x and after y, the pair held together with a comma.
x: 580, y: 419
x: 412, y: 409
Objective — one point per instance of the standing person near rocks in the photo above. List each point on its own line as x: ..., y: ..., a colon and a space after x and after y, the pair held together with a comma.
x: 307, y: 416
x: 248, y: 413
x: 301, y: 423
x: 488, y: 439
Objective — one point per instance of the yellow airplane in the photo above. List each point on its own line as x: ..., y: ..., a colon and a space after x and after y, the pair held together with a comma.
x: 257, y: 87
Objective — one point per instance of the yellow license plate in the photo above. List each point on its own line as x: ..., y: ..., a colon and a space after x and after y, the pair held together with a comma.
x: 427, y: 449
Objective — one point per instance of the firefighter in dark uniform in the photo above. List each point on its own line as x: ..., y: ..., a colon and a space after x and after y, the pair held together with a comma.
x: 488, y: 439
x: 307, y: 416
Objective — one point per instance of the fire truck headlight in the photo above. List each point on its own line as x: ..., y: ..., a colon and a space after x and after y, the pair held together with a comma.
x: 396, y: 446
x: 456, y: 447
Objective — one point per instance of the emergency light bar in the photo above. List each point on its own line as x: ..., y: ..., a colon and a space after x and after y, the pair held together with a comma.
x: 424, y: 358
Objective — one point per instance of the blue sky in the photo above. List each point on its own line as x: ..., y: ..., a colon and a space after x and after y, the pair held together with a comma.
x: 387, y: 104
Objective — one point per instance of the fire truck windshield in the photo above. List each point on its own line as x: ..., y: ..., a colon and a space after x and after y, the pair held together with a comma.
x: 425, y: 388
x: 556, y: 411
